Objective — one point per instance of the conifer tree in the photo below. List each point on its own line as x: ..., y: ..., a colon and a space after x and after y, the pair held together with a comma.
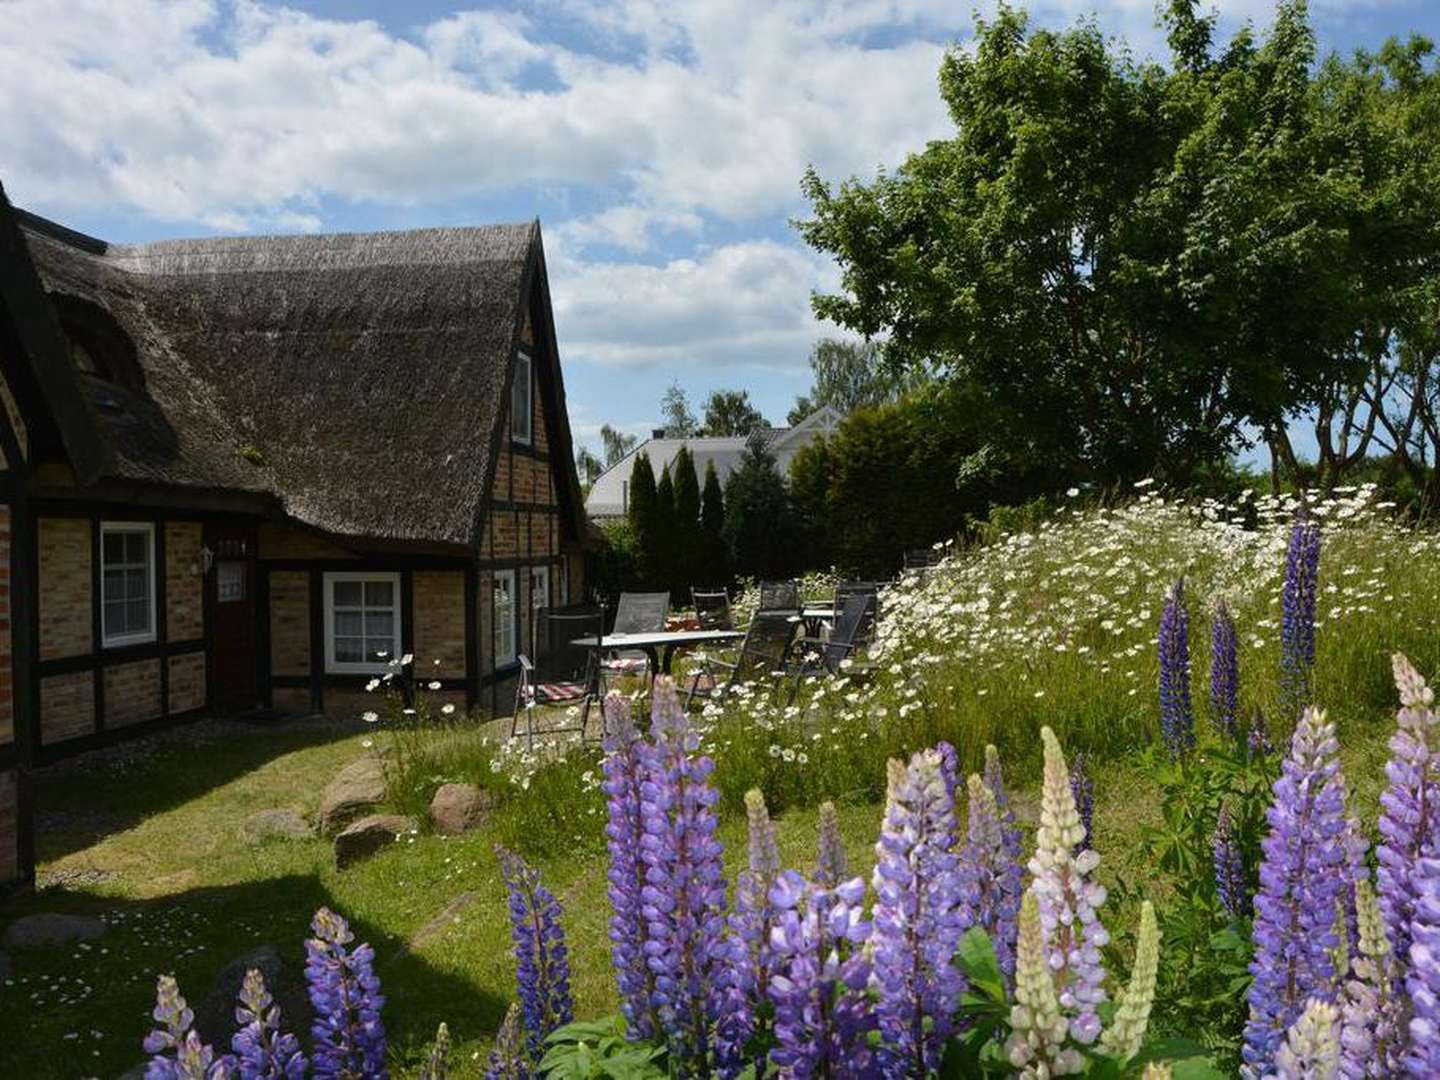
x: 641, y: 511
x: 665, y: 559
x: 715, y: 555
x: 689, y: 549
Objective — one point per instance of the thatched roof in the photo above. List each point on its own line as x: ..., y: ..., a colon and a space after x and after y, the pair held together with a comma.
x: 357, y: 378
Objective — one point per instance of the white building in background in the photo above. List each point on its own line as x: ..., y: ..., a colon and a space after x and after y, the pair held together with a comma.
x: 610, y: 494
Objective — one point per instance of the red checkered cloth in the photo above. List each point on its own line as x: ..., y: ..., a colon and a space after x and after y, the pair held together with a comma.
x: 557, y: 691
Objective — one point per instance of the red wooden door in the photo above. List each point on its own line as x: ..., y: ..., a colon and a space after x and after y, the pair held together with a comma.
x: 234, y: 684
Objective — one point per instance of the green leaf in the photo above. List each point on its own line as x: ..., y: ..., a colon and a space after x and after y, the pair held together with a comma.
x: 976, y: 956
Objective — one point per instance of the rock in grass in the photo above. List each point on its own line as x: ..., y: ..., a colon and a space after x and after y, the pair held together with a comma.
x: 363, y: 838
x: 355, y: 789
x: 50, y: 928
x: 458, y: 808
x: 285, y: 821
x: 215, y: 1015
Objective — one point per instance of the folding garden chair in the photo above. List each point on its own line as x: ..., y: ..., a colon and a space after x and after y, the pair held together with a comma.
x: 779, y: 596
x: 847, y: 589
x: 846, y: 638
x: 637, y: 613
x: 712, y: 609
x: 763, y: 652
x: 562, y: 673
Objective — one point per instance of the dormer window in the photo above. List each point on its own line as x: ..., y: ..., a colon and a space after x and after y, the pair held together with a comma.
x: 520, y: 400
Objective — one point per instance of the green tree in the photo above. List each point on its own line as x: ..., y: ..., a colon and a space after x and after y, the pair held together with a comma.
x: 848, y: 375
x: 811, y: 472
x: 588, y: 466
x: 680, y: 422
x: 616, y: 443
x: 689, y: 553
x: 1130, y: 267
x: 760, y: 527
x: 641, y: 510
x: 716, y: 558
x: 666, y: 560
x: 729, y: 412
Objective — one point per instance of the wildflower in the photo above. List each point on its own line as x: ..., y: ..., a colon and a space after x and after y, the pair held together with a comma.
x: 1224, y: 672
x: 447, y: 708
x: 262, y: 1051
x: 1311, y: 1050
x: 1230, y: 885
x: 507, y: 1059
x: 1368, y: 1031
x: 624, y: 775
x: 1177, y: 720
x: 1012, y: 867
x: 348, y: 1035
x: 1068, y: 900
x: 1423, y: 979
x: 193, y: 1060
x: 1297, y: 626
x: 1122, y: 1038
x: 1037, y: 1027
x: 917, y: 917
x: 747, y: 975
x: 831, y: 865
x: 1300, y: 884
x: 437, y: 1065
x: 542, y: 963
x: 991, y: 896
x: 1082, y: 788
x: 433, y: 684
x: 370, y: 717
x: 683, y: 900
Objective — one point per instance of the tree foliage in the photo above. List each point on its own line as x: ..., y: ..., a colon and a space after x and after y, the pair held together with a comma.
x: 715, y: 555
x: 616, y: 444
x: 641, y: 512
x: 729, y: 412
x: 679, y: 420
x: 760, y: 528
x: 849, y: 375
x: 1133, y: 268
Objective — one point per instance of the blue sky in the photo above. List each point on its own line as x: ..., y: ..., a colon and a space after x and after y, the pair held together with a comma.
x: 660, y: 142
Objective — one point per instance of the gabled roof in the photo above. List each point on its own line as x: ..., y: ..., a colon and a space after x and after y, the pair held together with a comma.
x: 609, y: 493
x: 43, y: 351
x: 357, y: 378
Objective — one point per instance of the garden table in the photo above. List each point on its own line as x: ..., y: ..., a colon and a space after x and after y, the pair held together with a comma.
x: 816, y: 616
x: 658, y: 645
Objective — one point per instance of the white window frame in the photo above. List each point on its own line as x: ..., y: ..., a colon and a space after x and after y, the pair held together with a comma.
x: 537, y: 601
x: 107, y: 528
x: 510, y: 634
x: 524, y: 376
x: 360, y: 667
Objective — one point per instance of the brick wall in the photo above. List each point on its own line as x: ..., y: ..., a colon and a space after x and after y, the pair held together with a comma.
x: 132, y: 693
x: 439, y: 629
x: 282, y: 542
x: 65, y: 614
x: 290, y: 623
x: 9, y: 828
x: 184, y: 597
x: 187, y: 682
x: 67, y: 706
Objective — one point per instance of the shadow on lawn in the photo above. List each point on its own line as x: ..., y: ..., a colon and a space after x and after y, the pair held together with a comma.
x: 194, y: 935
x: 80, y: 802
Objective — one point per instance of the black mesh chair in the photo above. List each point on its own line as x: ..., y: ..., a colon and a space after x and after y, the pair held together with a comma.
x: 563, y: 673
x: 637, y: 613
x: 712, y: 609
x: 763, y: 654
x: 847, y: 589
x: 846, y: 638
x: 779, y: 596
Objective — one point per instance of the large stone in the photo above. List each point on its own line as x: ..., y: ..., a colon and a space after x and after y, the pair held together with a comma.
x: 215, y: 1015
x: 363, y: 838
x: 285, y: 822
x: 50, y: 928
x: 458, y: 808
x: 355, y: 789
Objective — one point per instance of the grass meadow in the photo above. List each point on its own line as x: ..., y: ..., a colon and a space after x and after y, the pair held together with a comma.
x: 1050, y: 626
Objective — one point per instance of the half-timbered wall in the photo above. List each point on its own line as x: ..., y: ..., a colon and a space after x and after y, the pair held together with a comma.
x: 16, y: 838
x: 89, y: 689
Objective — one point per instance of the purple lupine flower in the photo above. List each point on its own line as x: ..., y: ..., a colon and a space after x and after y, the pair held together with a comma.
x: 623, y: 769
x: 1224, y: 672
x: 831, y: 864
x: 348, y: 1035
x: 1177, y: 718
x: 1368, y: 1032
x: 1356, y: 849
x: 1258, y: 745
x: 1297, y: 614
x: 1082, y: 788
x: 1410, y: 804
x: 542, y: 962
x: 192, y: 1060
x: 1423, y: 978
x: 508, y: 1057
x: 1068, y: 900
x: 821, y: 1016
x: 1012, y: 870
x: 917, y: 916
x: 991, y: 894
x: 437, y: 1063
x: 746, y: 979
x: 262, y: 1050
x: 1301, y: 880
x: 950, y: 769
x: 683, y: 901
x: 1230, y: 884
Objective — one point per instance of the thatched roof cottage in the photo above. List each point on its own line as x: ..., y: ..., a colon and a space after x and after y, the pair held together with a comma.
x: 237, y: 471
